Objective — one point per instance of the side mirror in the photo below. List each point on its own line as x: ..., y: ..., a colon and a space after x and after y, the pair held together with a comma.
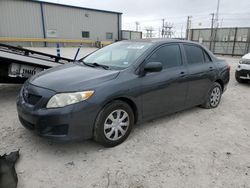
x: 153, y: 67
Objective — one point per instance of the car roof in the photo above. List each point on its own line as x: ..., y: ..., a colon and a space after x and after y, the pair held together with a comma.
x: 162, y: 40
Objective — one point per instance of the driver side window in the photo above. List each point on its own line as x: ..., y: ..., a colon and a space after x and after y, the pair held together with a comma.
x: 169, y: 56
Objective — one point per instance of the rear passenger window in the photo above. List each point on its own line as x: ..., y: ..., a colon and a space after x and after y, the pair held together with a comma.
x: 194, y: 54
x: 169, y: 56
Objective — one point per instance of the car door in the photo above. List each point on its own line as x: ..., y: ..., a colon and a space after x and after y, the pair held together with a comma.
x: 201, y: 73
x: 165, y: 91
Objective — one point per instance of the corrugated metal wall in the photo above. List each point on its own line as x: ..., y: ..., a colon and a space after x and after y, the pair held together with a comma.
x: 70, y: 22
x: 128, y: 35
x: 20, y: 19
x: 225, y: 41
x: 23, y: 19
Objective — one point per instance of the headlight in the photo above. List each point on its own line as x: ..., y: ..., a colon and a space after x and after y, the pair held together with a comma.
x: 64, y: 99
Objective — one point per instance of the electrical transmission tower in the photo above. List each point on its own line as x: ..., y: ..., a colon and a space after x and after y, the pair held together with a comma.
x: 167, y: 29
x: 149, y: 32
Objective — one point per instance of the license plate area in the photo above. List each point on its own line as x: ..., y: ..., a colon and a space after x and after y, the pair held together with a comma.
x: 23, y: 71
x: 245, y: 77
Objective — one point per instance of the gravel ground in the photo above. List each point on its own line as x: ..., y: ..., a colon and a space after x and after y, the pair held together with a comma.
x: 193, y: 148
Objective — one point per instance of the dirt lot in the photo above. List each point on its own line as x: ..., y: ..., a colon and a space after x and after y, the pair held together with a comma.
x: 193, y: 148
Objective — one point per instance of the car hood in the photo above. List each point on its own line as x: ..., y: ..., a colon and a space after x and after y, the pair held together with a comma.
x: 72, y: 77
x: 247, y: 56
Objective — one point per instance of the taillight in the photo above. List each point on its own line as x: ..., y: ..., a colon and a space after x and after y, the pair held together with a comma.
x: 229, y: 67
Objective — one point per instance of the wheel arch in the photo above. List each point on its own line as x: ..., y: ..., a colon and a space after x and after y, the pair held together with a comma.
x: 219, y: 81
x: 130, y: 102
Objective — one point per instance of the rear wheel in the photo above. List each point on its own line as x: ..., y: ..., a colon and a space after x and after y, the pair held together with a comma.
x: 214, y: 96
x: 113, y: 124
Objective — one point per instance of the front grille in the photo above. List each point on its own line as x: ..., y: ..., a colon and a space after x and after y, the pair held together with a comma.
x: 56, y: 130
x: 31, y: 98
x: 244, y: 72
x: 44, y: 129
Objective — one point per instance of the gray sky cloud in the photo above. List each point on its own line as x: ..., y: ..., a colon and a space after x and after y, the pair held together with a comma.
x: 150, y: 12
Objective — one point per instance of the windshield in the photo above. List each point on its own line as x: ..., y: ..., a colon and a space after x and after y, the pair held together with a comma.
x: 119, y: 55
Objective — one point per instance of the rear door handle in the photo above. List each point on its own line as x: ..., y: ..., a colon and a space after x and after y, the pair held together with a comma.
x: 182, y: 74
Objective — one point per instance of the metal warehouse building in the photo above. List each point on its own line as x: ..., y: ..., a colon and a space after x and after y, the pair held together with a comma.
x: 37, y: 23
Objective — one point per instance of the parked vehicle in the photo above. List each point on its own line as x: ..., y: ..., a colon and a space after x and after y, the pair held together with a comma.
x: 103, y: 95
x: 242, y: 73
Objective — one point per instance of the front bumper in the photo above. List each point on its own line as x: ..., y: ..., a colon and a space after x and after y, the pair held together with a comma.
x: 243, y: 71
x: 68, y: 123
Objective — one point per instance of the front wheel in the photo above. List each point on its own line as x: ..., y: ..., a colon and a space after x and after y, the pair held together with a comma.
x: 214, y: 96
x: 113, y: 124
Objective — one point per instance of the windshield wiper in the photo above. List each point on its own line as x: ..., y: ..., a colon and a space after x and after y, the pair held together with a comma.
x: 96, y: 65
x: 88, y: 64
x: 100, y: 65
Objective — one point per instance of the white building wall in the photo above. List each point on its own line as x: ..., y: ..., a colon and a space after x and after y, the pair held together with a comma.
x: 20, y: 19
x: 23, y: 19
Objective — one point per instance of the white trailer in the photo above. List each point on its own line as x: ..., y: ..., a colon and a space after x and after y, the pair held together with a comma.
x: 18, y: 64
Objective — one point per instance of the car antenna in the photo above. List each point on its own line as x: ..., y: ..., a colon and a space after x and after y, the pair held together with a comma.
x: 77, y: 52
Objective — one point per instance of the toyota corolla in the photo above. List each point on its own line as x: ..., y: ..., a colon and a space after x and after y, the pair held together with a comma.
x: 104, y: 94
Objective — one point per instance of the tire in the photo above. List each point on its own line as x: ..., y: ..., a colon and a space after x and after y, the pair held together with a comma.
x: 111, y: 130
x: 213, y: 97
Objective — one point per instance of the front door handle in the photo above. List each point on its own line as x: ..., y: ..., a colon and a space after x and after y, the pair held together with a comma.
x: 211, y: 68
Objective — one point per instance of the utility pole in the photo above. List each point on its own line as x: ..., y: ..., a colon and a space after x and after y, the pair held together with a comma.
x: 212, y: 31
x: 137, y: 26
x: 188, y: 26
x: 217, y: 13
x: 212, y: 21
x: 163, y: 28
x: 181, y: 30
